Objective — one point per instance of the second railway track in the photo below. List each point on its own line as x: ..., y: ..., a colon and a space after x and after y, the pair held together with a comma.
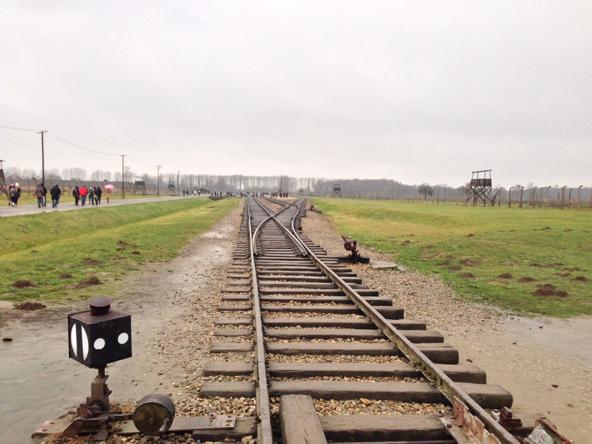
x: 328, y: 359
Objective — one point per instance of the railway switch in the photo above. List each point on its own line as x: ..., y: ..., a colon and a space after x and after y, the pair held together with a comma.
x: 100, y: 336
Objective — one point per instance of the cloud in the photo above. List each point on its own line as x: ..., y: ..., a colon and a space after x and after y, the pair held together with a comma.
x: 414, y: 91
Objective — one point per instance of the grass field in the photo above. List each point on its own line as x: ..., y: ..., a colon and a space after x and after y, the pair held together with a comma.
x: 527, y: 260
x: 71, y: 255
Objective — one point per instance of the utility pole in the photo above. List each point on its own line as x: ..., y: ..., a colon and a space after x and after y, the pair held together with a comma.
x: 178, y: 183
x: 158, y: 180
x: 42, y: 155
x: 122, y: 176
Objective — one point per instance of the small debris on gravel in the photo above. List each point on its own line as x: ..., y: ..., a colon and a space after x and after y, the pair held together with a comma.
x: 365, y: 406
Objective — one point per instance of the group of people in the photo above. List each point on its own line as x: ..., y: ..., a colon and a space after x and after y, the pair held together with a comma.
x: 93, y: 194
x: 189, y: 193
x: 81, y: 194
x: 41, y: 194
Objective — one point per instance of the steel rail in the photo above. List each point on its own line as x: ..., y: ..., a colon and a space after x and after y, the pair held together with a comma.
x: 295, y: 240
x: 264, y: 429
x: 293, y: 220
x: 445, y: 385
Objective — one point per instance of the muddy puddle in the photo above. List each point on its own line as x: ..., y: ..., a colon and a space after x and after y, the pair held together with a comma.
x: 37, y: 379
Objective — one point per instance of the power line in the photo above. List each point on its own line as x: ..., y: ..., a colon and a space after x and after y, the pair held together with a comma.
x: 140, y: 163
x: 16, y: 128
x: 75, y: 145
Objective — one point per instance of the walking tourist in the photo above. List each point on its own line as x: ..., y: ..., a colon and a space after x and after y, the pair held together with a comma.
x: 55, y: 193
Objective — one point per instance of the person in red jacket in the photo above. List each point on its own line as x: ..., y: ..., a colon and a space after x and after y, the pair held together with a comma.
x: 83, y: 194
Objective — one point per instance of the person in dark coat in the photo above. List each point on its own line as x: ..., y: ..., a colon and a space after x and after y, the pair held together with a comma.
x: 76, y: 195
x: 98, y: 194
x: 44, y: 189
x: 39, y: 195
x: 55, y: 193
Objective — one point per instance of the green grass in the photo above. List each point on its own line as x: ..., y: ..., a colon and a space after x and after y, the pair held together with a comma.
x: 103, y: 243
x: 549, y: 245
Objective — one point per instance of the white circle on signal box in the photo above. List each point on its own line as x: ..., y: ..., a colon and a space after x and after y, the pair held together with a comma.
x: 123, y: 338
x: 74, y: 340
x: 99, y: 344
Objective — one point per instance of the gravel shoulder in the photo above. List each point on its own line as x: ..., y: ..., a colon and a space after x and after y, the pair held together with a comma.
x: 546, y: 363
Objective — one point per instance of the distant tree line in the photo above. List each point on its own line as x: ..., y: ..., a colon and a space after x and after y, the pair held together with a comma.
x: 171, y: 183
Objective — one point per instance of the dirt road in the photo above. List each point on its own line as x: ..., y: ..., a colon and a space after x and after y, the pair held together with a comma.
x: 26, y: 209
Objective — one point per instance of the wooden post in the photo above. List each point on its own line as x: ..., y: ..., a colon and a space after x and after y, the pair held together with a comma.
x: 562, y: 197
x: 510, y: 197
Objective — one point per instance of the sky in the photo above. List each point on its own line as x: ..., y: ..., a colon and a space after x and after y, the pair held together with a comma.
x: 421, y: 91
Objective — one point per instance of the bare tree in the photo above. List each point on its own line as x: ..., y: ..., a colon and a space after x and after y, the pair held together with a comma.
x: 425, y: 190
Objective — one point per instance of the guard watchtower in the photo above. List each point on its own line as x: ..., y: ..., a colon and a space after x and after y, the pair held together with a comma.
x: 481, y: 187
x: 3, y: 189
x: 336, y: 190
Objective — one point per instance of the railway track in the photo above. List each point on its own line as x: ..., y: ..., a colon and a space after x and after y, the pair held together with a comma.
x: 300, y: 332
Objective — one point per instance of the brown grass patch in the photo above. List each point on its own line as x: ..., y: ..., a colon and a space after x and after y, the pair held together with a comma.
x: 526, y: 279
x: 581, y: 279
x: 66, y: 276
x: 467, y: 275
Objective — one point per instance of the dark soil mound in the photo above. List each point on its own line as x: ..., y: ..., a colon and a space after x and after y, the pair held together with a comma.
x: 467, y: 275
x: 454, y: 267
x: 89, y: 282
x: 526, y: 279
x: 581, y: 279
x: 24, y: 284
x: 66, y: 276
x: 470, y: 235
x: 505, y: 276
x: 550, y: 290
x: 468, y: 262
x: 89, y: 261
x: 29, y: 306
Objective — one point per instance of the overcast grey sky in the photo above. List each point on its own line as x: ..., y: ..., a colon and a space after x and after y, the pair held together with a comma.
x: 410, y: 90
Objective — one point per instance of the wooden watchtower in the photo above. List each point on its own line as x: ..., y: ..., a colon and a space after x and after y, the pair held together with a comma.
x: 3, y: 189
x: 336, y: 190
x: 481, y: 187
